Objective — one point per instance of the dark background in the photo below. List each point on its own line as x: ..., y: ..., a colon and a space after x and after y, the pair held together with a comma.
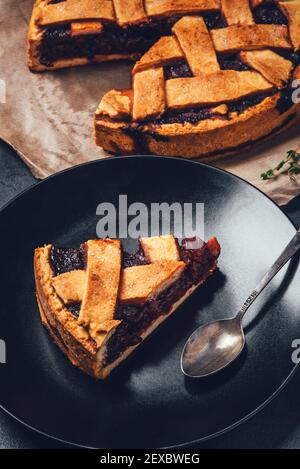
x: 277, y: 426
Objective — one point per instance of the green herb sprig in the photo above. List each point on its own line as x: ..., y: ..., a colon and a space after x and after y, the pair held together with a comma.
x: 291, y: 162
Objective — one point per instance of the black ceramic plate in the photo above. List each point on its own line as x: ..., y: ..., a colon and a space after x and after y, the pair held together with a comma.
x: 147, y: 402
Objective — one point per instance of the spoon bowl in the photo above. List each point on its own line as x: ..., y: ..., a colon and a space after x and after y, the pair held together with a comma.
x: 212, y: 347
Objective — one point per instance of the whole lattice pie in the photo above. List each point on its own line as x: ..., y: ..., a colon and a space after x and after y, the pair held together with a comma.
x: 99, y: 303
x: 216, y: 75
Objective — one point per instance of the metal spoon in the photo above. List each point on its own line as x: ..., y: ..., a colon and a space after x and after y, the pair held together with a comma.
x: 214, y: 346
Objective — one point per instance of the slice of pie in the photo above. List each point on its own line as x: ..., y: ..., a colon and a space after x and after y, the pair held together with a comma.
x: 214, y: 85
x: 99, y: 303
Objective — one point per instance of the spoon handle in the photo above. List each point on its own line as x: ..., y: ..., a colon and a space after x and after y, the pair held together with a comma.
x: 286, y: 255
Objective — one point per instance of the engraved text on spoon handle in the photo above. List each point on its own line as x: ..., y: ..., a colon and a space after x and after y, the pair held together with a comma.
x: 286, y: 255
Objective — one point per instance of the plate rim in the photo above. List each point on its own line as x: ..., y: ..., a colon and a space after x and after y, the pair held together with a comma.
x: 77, y: 167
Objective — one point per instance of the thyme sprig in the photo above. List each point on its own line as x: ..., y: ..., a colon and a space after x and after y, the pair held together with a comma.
x: 291, y: 163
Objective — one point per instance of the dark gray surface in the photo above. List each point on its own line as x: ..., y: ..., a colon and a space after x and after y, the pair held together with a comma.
x: 277, y: 426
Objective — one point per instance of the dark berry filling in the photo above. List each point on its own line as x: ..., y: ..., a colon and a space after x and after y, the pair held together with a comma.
x: 215, y: 20
x: 74, y: 308
x: 285, y: 101
x: 269, y: 13
x: 67, y: 259
x: 195, y: 115
x: 290, y: 55
x: 137, y: 258
x: 232, y: 62
x: 191, y: 116
x: 242, y: 104
x: 58, y: 42
x: 178, y: 69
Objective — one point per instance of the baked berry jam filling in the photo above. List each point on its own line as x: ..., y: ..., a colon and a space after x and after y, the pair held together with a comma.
x: 291, y: 55
x: 215, y: 20
x: 74, y: 308
x: 269, y: 13
x: 232, y: 62
x: 243, y: 104
x: 66, y: 259
x: 178, y: 69
x: 137, y: 258
x: 191, y: 116
x: 285, y: 101
x: 58, y: 42
x: 135, y: 320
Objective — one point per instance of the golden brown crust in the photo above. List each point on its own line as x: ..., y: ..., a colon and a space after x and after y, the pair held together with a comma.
x: 157, y: 248
x: 82, y: 29
x: 292, y: 11
x: 148, y: 94
x: 101, y: 288
x: 46, y: 293
x: 69, y: 286
x: 115, y: 104
x: 195, y: 42
x: 165, y: 50
x: 171, y: 7
x: 183, y: 93
x: 237, y: 12
x: 129, y: 11
x: 272, y: 66
x: 140, y: 283
x: 250, y: 37
x: 74, y: 10
x: 70, y: 337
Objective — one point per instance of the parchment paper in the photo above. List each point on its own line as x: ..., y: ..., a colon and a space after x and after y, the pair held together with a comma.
x: 48, y: 118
